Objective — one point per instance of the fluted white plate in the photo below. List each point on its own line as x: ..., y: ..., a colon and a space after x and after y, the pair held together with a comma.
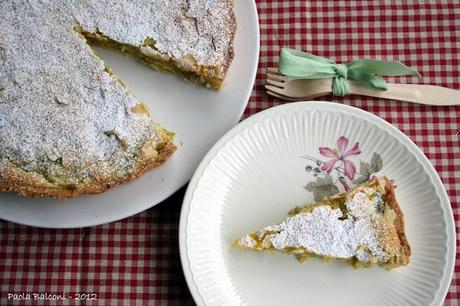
x: 255, y: 174
x: 197, y: 115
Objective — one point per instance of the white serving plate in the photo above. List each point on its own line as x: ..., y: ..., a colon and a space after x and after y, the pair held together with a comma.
x: 198, y: 116
x: 257, y: 172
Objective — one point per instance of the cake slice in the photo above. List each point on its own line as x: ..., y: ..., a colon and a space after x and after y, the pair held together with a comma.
x: 190, y: 37
x: 363, y: 226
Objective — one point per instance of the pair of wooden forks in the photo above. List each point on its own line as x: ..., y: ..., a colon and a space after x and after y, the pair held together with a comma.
x: 280, y: 86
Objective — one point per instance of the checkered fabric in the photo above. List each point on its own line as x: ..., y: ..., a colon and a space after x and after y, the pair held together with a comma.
x: 136, y: 262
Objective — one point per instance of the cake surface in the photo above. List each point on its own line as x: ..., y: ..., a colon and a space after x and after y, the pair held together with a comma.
x: 363, y: 226
x: 193, y: 37
x: 67, y: 124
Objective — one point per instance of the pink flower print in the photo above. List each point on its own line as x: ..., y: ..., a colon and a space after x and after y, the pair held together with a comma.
x: 340, y: 154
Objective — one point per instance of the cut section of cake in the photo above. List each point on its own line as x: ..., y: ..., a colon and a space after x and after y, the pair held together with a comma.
x: 190, y: 37
x: 363, y: 226
x: 68, y: 125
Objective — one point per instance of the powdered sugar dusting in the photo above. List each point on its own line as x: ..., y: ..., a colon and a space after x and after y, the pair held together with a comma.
x: 247, y: 240
x: 202, y: 29
x: 268, y: 229
x: 61, y: 114
x: 325, y: 231
x: 320, y: 232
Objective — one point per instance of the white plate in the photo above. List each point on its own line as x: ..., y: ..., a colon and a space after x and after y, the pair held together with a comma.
x: 198, y: 116
x: 257, y: 172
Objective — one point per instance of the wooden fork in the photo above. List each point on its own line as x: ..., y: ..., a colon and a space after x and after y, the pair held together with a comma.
x: 280, y: 86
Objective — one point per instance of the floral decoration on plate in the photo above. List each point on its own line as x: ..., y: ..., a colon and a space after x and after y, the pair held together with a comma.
x: 338, y: 170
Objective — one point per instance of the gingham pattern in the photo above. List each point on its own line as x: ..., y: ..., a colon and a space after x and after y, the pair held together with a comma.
x: 136, y: 262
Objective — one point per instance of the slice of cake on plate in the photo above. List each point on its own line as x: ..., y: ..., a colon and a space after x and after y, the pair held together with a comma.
x: 363, y: 226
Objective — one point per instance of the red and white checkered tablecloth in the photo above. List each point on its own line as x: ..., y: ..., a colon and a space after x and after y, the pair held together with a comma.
x: 136, y: 261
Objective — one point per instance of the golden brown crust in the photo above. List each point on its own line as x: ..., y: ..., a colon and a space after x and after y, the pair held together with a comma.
x: 230, y: 54
x: 398, y: 223
x: 32, y: 184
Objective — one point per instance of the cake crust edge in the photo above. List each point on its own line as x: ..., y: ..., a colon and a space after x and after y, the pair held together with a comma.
x: 399, y: 225
x: 31, y: 184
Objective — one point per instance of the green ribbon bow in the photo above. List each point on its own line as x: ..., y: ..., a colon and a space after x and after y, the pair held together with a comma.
x: 302, y: 65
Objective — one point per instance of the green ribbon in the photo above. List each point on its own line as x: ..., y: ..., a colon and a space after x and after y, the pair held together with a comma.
x: 301, y: 65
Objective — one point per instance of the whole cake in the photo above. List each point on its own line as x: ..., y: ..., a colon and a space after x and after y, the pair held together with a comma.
x: 67, y: 124
x: 363, y: 226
